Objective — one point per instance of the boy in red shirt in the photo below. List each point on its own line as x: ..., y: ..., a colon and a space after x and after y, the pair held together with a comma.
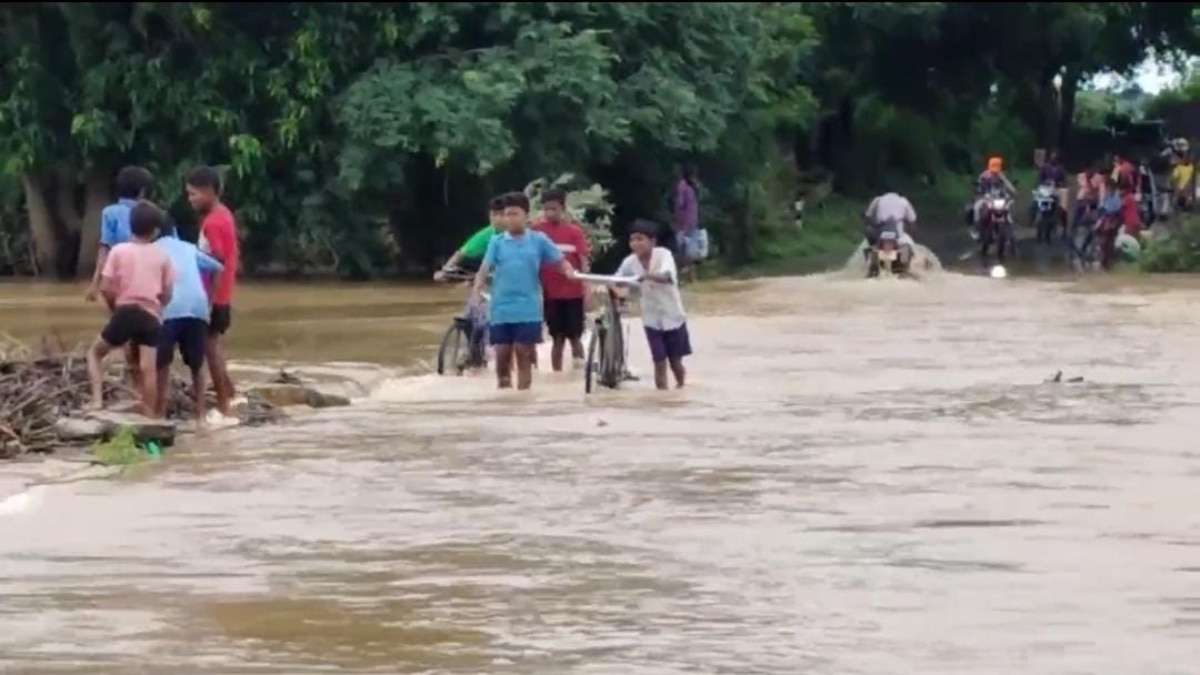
x: 218, y: 238
x: 563, y: 297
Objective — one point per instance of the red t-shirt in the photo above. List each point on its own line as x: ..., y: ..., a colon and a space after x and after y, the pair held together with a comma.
x: 572, y: 242
x: 220, y: 231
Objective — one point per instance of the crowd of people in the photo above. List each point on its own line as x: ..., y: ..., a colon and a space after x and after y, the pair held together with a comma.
x: 164, y: 293
x: 532, y: 266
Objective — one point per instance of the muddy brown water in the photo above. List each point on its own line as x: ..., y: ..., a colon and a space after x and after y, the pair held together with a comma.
x: 862, y: 477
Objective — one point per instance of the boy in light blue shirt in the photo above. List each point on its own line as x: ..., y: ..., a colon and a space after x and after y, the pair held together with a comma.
x: 133, y: 183
x: 185, y: 318
x: 513, y: 260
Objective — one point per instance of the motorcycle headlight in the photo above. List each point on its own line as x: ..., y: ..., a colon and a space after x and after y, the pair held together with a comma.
x: 998, y: 204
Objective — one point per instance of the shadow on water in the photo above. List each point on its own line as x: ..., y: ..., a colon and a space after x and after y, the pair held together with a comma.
x: 861, y: 477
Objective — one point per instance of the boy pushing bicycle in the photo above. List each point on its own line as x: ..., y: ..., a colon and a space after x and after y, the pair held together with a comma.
x: 663, y: 315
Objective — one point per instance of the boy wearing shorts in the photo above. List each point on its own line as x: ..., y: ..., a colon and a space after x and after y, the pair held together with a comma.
x: 662, y: 306
x: 218, y: 238
x: 185, y: 319
x: 564, y: 298
x: 513, y: 260
x: 135, y: 284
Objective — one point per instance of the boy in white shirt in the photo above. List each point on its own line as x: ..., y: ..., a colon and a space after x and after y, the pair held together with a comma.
x: 662, y: 307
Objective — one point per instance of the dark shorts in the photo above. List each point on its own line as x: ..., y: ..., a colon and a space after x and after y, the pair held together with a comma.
x: 222, y: 319
x: 132, y: 325
x: 515, y: 333
x: 189, y: 335
x: 564, y: 318
x: 669, y: 344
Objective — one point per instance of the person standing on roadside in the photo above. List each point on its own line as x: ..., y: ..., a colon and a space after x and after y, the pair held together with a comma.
x: 563, y: 297
x: 690, y: 240
x: 218, y: 238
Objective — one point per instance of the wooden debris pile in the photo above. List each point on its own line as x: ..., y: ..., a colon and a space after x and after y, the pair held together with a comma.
x: 38, y: 386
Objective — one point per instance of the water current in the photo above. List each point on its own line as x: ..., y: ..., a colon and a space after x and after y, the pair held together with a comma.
x: 861, y: 478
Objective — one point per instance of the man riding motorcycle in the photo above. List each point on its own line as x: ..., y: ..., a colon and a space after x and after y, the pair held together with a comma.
x: 887, y: 208
x: 1051, y: 180
x: 991, y: 181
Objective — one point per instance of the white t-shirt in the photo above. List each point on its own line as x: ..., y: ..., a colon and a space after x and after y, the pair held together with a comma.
x: 891, y: 206
x: 662, y: 306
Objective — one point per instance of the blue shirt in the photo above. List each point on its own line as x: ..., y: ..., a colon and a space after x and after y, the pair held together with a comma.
x: 189, y: 299
x: 515, y: 262
x: 114, y: 223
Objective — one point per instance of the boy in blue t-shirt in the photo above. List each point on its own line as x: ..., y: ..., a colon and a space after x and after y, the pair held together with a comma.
x: 513, y: 260
x: 185, y: 318
x: 133, y: 183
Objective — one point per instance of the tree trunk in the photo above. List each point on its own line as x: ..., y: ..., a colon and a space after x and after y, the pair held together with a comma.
x: 1066, y: 114
x: 43, y: 229
x: 96, y: 197
x: 64, y: 221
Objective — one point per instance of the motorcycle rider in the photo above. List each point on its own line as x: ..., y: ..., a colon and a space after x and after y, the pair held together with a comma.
x: 1183, y: 173
x: 895, y: 208
x: 991, y: 180
x: 1052, y: 173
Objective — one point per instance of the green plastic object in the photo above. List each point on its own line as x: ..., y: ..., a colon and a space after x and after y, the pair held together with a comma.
x: 153, y: 449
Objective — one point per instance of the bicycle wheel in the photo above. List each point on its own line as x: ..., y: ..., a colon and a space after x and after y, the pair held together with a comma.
x: 448, y: 350
x: 612, y: 363
x: 595, y: 356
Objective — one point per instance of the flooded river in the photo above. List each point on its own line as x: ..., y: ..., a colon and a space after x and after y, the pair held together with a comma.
x: 861, y: 478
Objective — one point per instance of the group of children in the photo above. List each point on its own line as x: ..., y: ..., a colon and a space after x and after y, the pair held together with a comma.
x: 532, y: 268
x: 163, y: 293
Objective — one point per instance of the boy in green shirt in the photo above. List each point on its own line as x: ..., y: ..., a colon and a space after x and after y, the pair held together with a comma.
x: 476, y: 245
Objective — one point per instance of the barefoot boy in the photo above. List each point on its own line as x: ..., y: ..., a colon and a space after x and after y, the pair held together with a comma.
x: 185, y: 319
x: 564, y: 298
x: 219, y: 238
x: 135, y: 284
x: 134, y: 183
x: 513, y: 260
x: 662, y: 307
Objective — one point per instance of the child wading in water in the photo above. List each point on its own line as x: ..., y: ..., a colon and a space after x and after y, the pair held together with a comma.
x: 662, y: 306
x: 513, y: 260
x: 135, y: 283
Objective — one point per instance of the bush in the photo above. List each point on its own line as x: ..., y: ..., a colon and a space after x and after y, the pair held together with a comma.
x: 1179, y: 253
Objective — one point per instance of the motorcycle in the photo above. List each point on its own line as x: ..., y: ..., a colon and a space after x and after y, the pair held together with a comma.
x: 1108, y: 226
x: 887, y: 257
x: 1046, y: 212
x: 996, y: 228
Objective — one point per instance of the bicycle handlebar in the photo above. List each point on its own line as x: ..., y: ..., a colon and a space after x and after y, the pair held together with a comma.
x: 456, y: 275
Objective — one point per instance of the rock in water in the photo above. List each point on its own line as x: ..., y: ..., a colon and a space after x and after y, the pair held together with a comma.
x: 72, y: 430
x: 145, y: 429
x: 283, y: 395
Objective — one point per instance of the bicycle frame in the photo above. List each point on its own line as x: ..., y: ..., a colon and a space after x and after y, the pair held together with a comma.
x: 467, y: 326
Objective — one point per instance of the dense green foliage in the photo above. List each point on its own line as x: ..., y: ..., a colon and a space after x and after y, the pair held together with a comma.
x: 363, y: 139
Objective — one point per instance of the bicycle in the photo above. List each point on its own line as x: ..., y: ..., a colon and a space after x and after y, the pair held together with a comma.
x: 464, y: 328
x: 606, y: 353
